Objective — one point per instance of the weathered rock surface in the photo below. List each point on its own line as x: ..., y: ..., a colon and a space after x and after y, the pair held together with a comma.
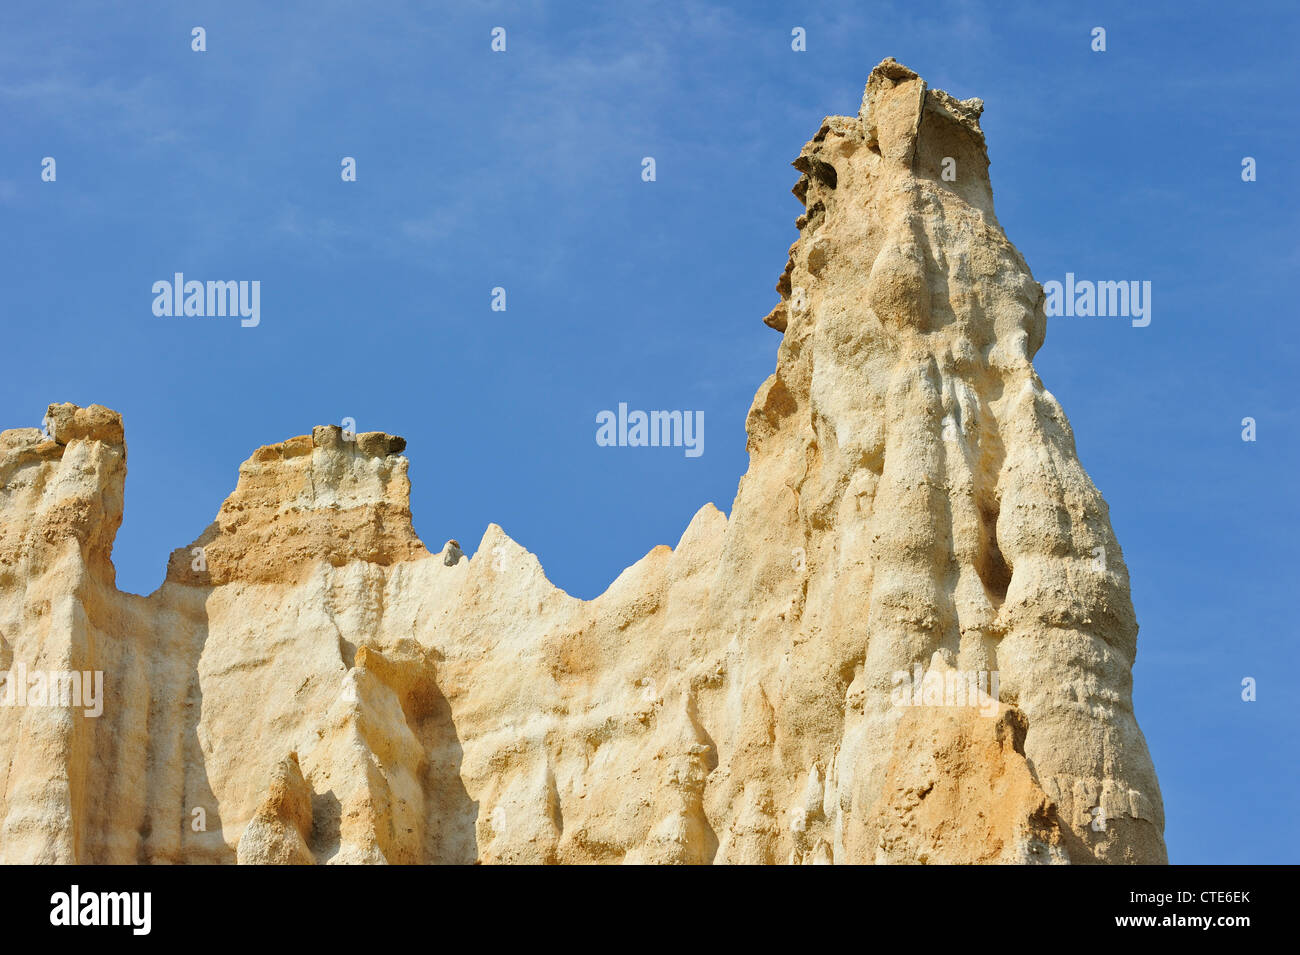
x: 310, y: 684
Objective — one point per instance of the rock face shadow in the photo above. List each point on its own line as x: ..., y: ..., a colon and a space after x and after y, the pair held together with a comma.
x: 326, y: 816
x: 450, y: 813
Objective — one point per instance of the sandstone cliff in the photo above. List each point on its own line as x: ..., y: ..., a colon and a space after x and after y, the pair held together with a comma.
x: 311, y: 684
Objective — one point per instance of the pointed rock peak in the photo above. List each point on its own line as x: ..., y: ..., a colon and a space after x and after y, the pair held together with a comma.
x: 501, y: 554
x: 279, y: 831
x: 708, y: 524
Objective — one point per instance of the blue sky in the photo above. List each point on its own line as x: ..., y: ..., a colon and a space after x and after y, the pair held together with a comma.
x: 523, y: 170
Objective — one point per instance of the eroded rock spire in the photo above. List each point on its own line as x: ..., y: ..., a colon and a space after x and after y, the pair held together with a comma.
x: 911, y: 641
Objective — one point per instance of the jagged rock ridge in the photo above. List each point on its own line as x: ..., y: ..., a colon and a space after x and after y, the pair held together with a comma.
x: 310, y: 684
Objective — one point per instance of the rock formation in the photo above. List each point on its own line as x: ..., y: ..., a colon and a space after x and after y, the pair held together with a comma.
x: 910, y: 642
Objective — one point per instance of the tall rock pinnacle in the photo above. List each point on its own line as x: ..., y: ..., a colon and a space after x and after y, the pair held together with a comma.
x: 911, y: 641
